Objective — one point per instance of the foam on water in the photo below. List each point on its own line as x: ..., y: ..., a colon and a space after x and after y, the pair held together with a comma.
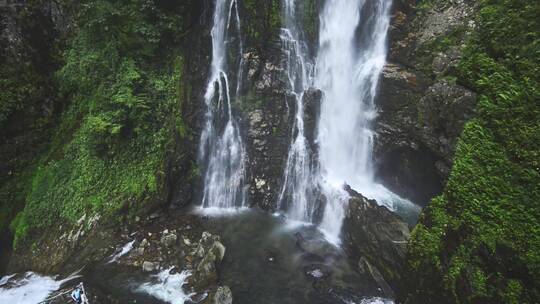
x: 31, y: 288
x: 167, y: 287
x: 219, y: 212
x: 375, y: 301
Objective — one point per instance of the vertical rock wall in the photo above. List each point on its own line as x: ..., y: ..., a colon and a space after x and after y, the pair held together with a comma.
x: 422, y: 110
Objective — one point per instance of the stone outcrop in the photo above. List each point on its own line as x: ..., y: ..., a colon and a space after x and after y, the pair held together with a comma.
x: 222, y: 295
x: 376, y: 239
x: 269, y: 113
x: 208, y: 255
x: 422, y: 110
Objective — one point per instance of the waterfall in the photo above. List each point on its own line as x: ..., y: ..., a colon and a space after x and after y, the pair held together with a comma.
x: 222, y: 153
x: 352, y: 53
x: 296, y: 193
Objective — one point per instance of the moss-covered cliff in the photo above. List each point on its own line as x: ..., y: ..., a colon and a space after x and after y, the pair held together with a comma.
x: 101, y: 102
x: 479, y: 241
x: 30, y: 43
x: 100, y: 106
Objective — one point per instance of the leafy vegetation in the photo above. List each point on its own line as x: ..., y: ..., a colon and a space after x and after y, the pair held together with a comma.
x: 28, y: 100
x: 480, y: 241
x: 122, y: 75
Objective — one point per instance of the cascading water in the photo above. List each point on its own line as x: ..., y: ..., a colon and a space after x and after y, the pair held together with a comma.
x: 222, y: 153
x: 296, y: 193
x: 352, y: 53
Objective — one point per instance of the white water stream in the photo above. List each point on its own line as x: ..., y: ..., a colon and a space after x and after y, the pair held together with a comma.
x: 352, y: 53
x: 297, y: 190
x: 167, y: 287
x: 222, y: 152
x: 29, y: 288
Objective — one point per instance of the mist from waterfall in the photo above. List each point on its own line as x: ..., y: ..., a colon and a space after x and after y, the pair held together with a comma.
x: 296, y: 196
x: 222, y: 153
x: 352, y: 53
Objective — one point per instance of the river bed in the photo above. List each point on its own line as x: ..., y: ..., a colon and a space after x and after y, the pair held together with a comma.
x: 268, y: 260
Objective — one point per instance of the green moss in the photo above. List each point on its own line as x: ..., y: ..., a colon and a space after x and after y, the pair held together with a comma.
x: 480, y: 240
x: 249, y: 101
x: 27, y: 100
x: 513, y: 292
x: 122, y: 73
x: 261, y: 21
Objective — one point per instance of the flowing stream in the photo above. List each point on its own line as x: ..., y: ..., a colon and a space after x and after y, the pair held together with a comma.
x: 297, y: 189
x: 29, y: 288
x: 222, y: 153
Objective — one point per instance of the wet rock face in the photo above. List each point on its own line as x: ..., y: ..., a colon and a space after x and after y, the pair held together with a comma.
x: 312, y: 108
x: 168, y: 239
x: 149, y: 266
x: 376, y: 239
x: 268, y: 115
x: 418, y: 127
x: 422, y: 111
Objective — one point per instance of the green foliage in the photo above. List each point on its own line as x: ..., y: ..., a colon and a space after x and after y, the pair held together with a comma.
x: 261, y: 20
x: 310, y: 19
x: 122, y: 73
x: 480, y: 241
x: 17, y: 85
x: 27, y: 99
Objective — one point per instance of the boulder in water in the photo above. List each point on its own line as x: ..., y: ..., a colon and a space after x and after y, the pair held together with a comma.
x: 317, y: 271
x: 377, y: 238
x: 223, y: 295
x: 208, y: 255
x: 149, y: 266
